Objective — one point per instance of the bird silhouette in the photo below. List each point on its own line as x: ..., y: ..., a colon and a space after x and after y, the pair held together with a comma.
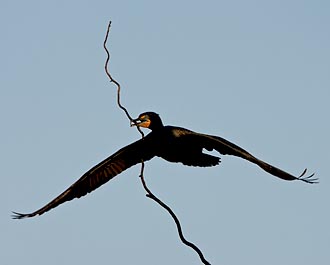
x: 174, y: 144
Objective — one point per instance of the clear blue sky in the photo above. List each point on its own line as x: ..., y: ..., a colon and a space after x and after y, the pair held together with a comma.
x: 254, y: 72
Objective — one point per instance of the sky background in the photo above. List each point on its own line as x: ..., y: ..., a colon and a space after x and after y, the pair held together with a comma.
x: 254, y: 72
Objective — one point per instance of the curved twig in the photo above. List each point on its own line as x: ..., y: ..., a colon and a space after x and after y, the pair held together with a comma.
x: 114, y: 81
x: 149, y: 193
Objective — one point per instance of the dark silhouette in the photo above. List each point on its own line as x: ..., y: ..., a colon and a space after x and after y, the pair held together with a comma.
x: 173, y: 144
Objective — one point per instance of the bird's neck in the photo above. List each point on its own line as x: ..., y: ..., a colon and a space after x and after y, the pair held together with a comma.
x: 156, y: 125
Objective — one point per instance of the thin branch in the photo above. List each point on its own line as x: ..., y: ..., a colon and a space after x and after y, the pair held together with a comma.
x: 109, y: 75
x: 175, y: 218
x: 106, y: 68
x: 149, y: 193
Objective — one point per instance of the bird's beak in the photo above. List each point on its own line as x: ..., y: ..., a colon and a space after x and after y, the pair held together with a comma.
x: 135, y: 122
x: 140, y: 122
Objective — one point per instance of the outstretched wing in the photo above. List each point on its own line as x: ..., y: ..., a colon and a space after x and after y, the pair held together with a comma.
x: 100, y: 174
x: 225, y: 147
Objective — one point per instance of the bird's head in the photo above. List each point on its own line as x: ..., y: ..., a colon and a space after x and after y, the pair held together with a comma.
x: 150, y: 120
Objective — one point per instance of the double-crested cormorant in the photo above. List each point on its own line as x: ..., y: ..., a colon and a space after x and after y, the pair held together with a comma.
x: 173, y: 144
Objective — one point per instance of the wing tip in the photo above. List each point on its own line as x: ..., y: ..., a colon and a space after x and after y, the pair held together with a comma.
x: 308, y: 179
x: 18, y: 216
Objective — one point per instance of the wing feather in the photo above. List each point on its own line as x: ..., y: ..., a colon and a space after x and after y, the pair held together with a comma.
x: 226, y: 147
x: 100, y: 174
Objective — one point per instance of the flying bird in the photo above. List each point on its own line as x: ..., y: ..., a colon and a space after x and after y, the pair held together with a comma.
x: 174, y: 144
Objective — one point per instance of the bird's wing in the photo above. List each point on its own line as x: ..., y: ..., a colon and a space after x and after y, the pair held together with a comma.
x: 225, y: 147
x: 141, y: 150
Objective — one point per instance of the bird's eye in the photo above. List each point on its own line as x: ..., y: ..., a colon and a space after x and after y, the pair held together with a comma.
x: 142, y: 117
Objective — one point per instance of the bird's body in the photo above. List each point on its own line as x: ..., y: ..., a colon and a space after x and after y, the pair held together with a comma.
x: 174, y: 144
